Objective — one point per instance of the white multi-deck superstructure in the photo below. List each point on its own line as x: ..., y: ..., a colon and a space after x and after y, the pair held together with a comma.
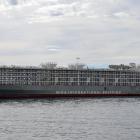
x: 117, y: 79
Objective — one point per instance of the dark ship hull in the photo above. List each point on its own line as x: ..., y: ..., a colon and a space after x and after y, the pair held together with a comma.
x: 67, y: 91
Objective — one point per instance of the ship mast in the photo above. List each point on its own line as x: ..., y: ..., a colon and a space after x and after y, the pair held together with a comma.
x: 78, y: 58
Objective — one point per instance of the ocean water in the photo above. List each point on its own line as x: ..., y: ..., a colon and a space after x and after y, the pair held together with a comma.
x: 70, y: 119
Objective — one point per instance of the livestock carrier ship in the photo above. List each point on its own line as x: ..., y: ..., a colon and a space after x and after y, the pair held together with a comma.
x: 41, y: 82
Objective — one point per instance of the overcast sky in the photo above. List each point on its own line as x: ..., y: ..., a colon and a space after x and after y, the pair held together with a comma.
x: 100, y: 32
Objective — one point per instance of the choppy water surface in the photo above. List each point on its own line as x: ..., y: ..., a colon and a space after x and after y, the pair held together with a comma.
x: 70, y: 119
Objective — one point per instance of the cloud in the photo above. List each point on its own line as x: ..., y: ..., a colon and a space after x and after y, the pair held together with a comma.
x: 99, y: 32
x: 46, y: 11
